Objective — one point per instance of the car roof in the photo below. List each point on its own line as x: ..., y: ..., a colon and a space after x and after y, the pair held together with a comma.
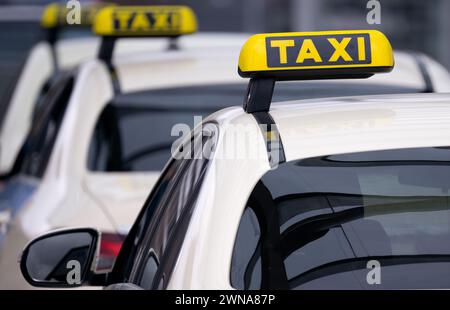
x: 134, y: 56
x: 201, y: 66
x: 73, y: 50
x: 218, y: 64
x: 327, y: 126
x: 310, y: 128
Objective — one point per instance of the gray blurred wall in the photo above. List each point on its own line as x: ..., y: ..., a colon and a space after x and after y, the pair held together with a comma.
x: 410, y: 24
x: 422, y: 25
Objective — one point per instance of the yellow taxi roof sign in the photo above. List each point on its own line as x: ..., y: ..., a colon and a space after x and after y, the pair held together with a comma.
x: 50, y: 16
x: 55, y: 15
x: 316, y: 55
x: 145, y: 21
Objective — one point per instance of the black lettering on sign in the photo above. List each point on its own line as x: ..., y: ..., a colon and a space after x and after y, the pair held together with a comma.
x: 146, y: 21
x: 323, y: 50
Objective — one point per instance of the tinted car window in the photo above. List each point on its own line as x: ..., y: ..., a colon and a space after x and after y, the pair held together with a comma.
x: 318, y: 222
x: 153, y: 244
x: 134, y: 131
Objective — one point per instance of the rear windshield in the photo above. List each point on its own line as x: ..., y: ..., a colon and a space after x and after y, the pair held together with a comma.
x: 134, y: 131
x: 327, y: 222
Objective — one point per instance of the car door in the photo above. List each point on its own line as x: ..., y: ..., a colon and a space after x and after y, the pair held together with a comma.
x: 151, y: 249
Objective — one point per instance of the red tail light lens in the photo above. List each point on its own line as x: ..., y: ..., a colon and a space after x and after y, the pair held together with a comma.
x: 110, y: 245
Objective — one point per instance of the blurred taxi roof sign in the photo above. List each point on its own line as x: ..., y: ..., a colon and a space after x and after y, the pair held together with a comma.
x: 316, y: 55
x: 55, y: 15
x: 145, y: 21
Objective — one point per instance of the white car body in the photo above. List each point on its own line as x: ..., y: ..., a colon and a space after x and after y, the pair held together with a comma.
x: 70, y: 53
x: 69, y: 192
x: 71, y: 195
x: 308, y: 128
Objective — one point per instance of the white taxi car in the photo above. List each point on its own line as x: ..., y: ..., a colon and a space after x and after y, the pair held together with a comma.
x: 297, y: 195
x: 104, y: 133
x: 44, y: 61
x: 63, y: 48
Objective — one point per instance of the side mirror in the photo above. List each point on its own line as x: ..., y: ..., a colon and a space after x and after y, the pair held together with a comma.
x: 63, y: 258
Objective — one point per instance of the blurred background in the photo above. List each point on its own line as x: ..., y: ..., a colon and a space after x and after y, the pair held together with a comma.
x: 410, y: 24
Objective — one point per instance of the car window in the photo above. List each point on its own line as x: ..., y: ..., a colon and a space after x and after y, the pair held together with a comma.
x: 36, y: 150
x: 318, y: 222
x: 154, y: 242
x: 133, y: 132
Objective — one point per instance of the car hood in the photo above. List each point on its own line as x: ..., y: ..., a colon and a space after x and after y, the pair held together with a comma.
x: 120, y: 195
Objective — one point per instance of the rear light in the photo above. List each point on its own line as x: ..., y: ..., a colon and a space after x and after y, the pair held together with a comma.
x: 110, y: 245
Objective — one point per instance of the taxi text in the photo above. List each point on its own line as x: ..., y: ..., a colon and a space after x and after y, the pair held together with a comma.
x: 321, y: 50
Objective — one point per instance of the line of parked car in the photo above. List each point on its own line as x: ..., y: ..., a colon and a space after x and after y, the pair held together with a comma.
x: 352, y: 168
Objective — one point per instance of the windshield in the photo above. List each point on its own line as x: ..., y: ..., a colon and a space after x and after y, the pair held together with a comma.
x: 134, y: 132
x: 333, y: 216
